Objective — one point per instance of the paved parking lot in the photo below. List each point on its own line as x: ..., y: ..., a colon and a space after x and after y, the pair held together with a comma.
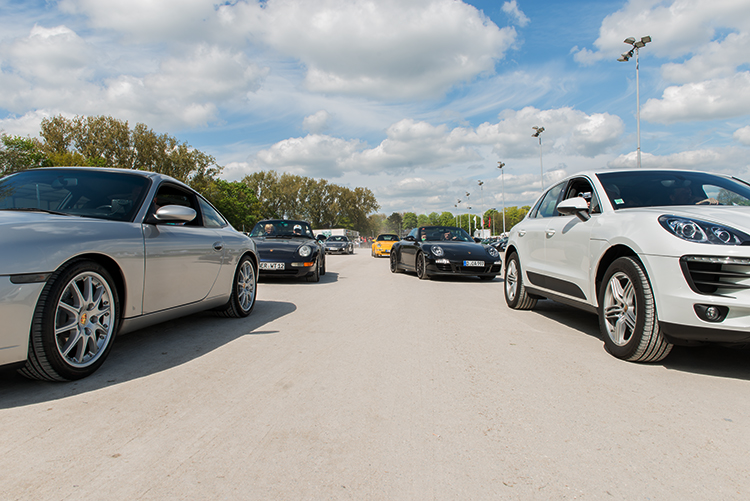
x: 370, y: 385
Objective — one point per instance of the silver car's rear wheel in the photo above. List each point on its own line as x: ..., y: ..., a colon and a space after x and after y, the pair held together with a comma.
x: 244, y: 289
x: 627, y: 314
x: 74, y: 324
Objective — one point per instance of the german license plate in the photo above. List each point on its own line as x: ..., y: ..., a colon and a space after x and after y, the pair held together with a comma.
x: 271, y: 266
x: 470, y: 264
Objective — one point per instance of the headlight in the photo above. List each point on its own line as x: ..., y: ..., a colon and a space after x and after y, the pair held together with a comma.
x: 694, y: 230
x: 437, y: 250
x: 493, y: 252
x: 304, y: 251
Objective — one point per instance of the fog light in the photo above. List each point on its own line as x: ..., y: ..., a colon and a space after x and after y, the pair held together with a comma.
x: 711, y: 313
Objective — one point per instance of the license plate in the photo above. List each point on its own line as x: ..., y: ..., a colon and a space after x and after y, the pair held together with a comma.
x: 271, y: 266
x: 473, y: 263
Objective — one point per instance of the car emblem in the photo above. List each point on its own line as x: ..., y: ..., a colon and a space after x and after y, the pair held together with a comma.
x: 83, y: 319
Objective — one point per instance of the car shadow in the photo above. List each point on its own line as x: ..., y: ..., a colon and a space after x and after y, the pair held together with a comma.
x: 148, y: 351
x: 329, y: 277
x: 709, y: 360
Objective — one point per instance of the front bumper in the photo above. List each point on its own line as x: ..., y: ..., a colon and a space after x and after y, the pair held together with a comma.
x: 291, y: 270
x: 337, y: 250
x: 678, y: 303
x: 448, y: 267
x: 17, y: 305
x: 381, y: 252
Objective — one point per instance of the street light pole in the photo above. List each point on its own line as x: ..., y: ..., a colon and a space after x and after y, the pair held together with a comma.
x: 458, y: 209
x: 500, y: 166
x: 468, y: 201
x: 538, y: 134
x: 481, y: 191
x: 637, y: 44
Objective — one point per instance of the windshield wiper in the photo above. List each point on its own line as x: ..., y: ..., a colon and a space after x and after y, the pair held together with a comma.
x: 34, y: 209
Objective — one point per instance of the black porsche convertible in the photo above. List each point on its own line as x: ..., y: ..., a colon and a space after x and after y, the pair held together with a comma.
x: 444, y: 250
x: 288, y: 248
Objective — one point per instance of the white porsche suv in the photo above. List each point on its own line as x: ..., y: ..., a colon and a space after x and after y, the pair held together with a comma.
x: 663, y: 257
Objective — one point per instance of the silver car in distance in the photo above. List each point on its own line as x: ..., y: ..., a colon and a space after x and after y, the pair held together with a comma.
x: 88, y: 253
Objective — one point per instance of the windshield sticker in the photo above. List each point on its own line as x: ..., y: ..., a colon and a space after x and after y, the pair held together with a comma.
x: 619, y: 201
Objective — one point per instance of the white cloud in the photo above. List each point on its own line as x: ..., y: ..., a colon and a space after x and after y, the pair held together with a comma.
x: 317, y: 122
x: 707, y: 100
x: 728, y: 160
x: 512, y: 10
x: 742, y: 135
x: 718, y: 59
x: 313, y: 155
x: 386, y: 49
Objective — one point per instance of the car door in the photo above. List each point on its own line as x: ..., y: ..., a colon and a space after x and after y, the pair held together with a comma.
x: 532, y: 235
x: 409, y: 248
x: 182, y: 261
x: 567, y: 245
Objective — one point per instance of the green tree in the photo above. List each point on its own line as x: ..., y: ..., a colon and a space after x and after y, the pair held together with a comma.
x: 19, y: 153
x: 447, y: 219
x: 423, y: 220
x: 394, y: 223
x: 236, y: 201
x: 409, y: 220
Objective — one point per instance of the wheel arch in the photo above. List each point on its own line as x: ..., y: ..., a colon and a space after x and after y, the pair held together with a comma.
x: 112, y: 267
x: 613, y: 253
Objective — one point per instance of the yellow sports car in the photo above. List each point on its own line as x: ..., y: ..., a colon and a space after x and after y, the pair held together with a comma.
x: 382, y: 245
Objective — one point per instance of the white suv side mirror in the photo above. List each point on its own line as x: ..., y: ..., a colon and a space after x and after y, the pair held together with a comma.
x: 575, y: 205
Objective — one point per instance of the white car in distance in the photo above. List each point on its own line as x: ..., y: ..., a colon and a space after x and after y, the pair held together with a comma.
x: 663, y: 257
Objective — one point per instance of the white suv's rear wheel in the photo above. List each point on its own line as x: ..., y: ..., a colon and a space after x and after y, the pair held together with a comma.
x: 627, y: 314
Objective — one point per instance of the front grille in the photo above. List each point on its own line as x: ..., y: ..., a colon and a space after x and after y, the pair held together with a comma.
x: 715, y: 275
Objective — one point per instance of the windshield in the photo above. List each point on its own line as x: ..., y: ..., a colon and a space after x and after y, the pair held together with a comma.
x: 100, y: 194
x: 443, y: 233
x: 664, y: 188
x: 337, y: 239
x: 282, y: 228
x: 387, y: 238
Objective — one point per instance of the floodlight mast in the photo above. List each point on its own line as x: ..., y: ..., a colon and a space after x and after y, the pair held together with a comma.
x: 500, y: 166
x: 538, y: 134
x: 637, y: 44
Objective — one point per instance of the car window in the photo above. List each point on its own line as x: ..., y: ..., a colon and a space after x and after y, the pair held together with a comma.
x: 581, y: 187
x: 548, y: 206
x: 211, y: 218
x: 666, y: 188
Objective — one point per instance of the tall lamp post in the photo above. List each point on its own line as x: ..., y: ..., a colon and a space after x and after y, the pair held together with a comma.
x: 468, y: 201
x: 481, y: 192
x: 637, y: 44
x: 500, y: 166
x: 458, y: 216
x: 538, y: 134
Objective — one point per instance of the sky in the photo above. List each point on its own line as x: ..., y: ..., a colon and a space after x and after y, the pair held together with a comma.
x: 417, y: 100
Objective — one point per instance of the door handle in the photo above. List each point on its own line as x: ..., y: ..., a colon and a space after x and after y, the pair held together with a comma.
x: 550, y: 232
x: 521, y: 233
x: 218, y: 246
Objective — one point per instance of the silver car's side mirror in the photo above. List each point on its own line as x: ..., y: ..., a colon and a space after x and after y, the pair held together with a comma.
x: 575, y: 205
x: 175, y: 214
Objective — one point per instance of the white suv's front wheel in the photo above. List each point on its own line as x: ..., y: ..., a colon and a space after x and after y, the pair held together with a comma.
x: 627, y: 314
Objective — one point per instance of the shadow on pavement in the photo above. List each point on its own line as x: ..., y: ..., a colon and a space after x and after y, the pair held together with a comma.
x: 148, y: 351
x: 329, y: 278
x: 710, y: 360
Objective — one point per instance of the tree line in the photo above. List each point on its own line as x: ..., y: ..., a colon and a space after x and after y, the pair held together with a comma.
x: 104, y: 141
x: 493, y: 220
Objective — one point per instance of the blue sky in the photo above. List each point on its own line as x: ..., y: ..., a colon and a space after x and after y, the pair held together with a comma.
x: 417, y: 100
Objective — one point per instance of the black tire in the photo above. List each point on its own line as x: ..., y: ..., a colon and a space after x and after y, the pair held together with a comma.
x: 323, y: 266
x: 421, y: 266
x: 395, y: 267
x: 75, y: 323
x: 244, y: 290
x: 627, y: 314
x: 315, y: 277
x: 515, y: 292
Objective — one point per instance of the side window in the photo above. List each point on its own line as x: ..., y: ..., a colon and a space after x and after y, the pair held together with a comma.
x: 211, y: 218
x: 548, y: 207
x: 173, y: 195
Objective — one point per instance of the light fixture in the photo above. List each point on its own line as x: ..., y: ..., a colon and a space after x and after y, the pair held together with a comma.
x: 637, y: 44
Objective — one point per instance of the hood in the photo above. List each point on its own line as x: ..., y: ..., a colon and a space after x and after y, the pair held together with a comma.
x: 280, y: 248
x: 736, y: 216
x: 462, y: 250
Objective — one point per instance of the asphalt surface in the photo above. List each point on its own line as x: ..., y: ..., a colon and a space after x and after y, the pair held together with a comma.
x: 370, y: 385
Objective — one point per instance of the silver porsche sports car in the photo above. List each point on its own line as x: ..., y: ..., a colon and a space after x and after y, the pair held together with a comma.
x: 90, y: 252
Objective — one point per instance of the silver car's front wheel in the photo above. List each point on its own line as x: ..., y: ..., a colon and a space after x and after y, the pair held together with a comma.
x: 627, y: 314
x: 244, y: 290
x: 74, y: 324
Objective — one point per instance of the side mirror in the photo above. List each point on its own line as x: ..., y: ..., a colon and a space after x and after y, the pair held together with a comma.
x: 410, y: 238
x: 477, y: 240
x: 321, y: 238
x: 175, y: 214
x: 575, y: 205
